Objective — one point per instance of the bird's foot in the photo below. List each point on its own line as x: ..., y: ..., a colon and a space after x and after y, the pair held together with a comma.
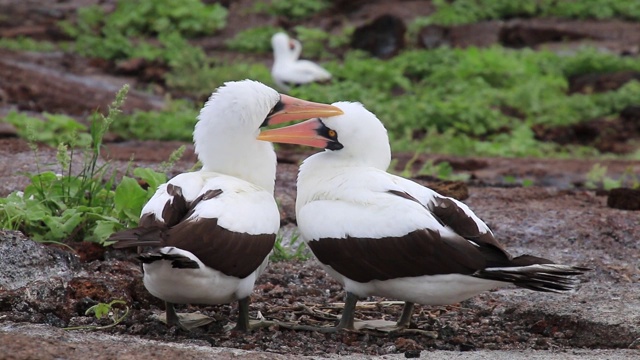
x: 252, y: 324
x: 186, y: 321
x: 391, y: 327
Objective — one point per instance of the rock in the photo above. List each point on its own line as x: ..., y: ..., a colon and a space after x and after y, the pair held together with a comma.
x: 597, y: 83
x: 25, y: 261
x: 624, y: 199
x: 383, y: 38
x: 33, y: 86
x: 556, y: 34
x: 7, y: 130
x: 433, y: 36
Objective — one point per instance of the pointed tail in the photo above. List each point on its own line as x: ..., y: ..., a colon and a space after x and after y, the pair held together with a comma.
x: 141, y: 236
x: 538, y: 276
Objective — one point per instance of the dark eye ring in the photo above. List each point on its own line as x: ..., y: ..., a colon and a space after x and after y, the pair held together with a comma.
x: 332, y: 133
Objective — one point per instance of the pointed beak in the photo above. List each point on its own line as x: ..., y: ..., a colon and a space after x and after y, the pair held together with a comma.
x: 311, y: 133
x: 290, y: 109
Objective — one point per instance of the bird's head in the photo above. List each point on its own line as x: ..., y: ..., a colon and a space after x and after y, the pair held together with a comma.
x: 225, y: 136
x: 357, y: 135
x: 241, y: 108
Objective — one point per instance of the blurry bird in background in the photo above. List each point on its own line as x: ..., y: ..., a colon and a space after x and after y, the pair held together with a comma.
x: 288, y: 70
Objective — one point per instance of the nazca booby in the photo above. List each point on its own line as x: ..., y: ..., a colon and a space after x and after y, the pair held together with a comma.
x: 211, y: 231
x: 288, y: 69
x: 383, y: 235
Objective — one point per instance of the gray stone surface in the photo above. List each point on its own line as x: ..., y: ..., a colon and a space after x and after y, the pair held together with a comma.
x: 25, y: 261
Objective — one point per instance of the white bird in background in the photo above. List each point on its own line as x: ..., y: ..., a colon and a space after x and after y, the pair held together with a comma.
x: 383, y: 235
x: 210, y: 232
x: 287, y: 69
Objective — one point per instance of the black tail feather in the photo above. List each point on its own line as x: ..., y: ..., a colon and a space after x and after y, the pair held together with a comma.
x: 141, y: 236
x: 540, y: 277
x: 177, y: 261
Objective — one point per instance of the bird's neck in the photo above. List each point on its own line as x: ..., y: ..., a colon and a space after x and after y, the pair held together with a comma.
x: 247, y: 159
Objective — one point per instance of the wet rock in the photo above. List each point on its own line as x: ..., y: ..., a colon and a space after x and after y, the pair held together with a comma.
x: 7, y: 130
x: 383, y: 38
x: 624, y: 199
x: 596, y: 83
x: 614, y: 35
x: 33, y: 86
x: 25, y: 261
x: 433, y: 36
x: 631, y: 116
x: 615, y: 135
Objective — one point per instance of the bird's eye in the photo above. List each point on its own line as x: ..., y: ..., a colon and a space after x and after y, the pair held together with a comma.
x: 332, y: 133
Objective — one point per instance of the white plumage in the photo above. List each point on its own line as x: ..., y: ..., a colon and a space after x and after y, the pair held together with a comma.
x: 381, y: 234
x: 288, y: 69
x: 207, y: 234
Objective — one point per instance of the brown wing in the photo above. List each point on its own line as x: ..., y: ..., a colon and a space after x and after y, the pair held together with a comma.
x: 421, y: 252
x: 151, y: 231
x: 449, y: 214
x: 232, y: 253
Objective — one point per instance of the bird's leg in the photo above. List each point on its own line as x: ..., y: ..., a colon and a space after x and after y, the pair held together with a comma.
x: 405, y: 318
x: 172, y: 316
x: 185, y: 322
x: 348, y: 313
x: 243, y: 315
x: 244, y: 323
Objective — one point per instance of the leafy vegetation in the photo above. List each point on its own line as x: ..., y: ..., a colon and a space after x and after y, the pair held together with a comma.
x: 26, y: 44
x: 597, y: 179
x: 125, y: 32
x: 254, y: 40
x: 481, y: 101
x: 52, y: 130
x: 66, y: 206
x: 296, y: 249
x: 175, y: 122
x: 101, y: 310
x: 292, y: 9
x: 469, y: 11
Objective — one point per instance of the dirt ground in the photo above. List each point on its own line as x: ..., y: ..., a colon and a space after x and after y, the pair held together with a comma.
x: 45, y: 288
x: 50, y: 285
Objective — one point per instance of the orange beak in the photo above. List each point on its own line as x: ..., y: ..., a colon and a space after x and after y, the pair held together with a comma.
x: 290, y: 109
x: 311, y: 133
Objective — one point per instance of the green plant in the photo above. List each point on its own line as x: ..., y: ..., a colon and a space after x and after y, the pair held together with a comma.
x: 24, y: 43
x: 442, y: 170
x: 253, y: 40
x: 294, y: 250
x: 470, y: 11
x: 53, y: 130
x: 175, y: 122
x: 293, y: 9
x: 124, y: 32
x: 597, y: 178
x: 65, y: 206
x: 479, y: 101
x: 102, y: 310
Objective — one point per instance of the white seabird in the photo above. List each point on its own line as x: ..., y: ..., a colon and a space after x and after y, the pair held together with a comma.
x: 383, y: 235
x: 287, y: 69
x: 207, y: 234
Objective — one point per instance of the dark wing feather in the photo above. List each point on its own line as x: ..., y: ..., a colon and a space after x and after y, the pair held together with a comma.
x: 232, y: 253
x: 421, y: 252
x: 449, y: 214
x: 151, y: 231
x: 177, y: 261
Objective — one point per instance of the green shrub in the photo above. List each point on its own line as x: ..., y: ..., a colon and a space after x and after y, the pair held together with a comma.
x: 52, y: 130
x: 79, y: 205
x: 293, y: 9
x: 124, y: 32
x: 253, y: 40
x: 470, y: 11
